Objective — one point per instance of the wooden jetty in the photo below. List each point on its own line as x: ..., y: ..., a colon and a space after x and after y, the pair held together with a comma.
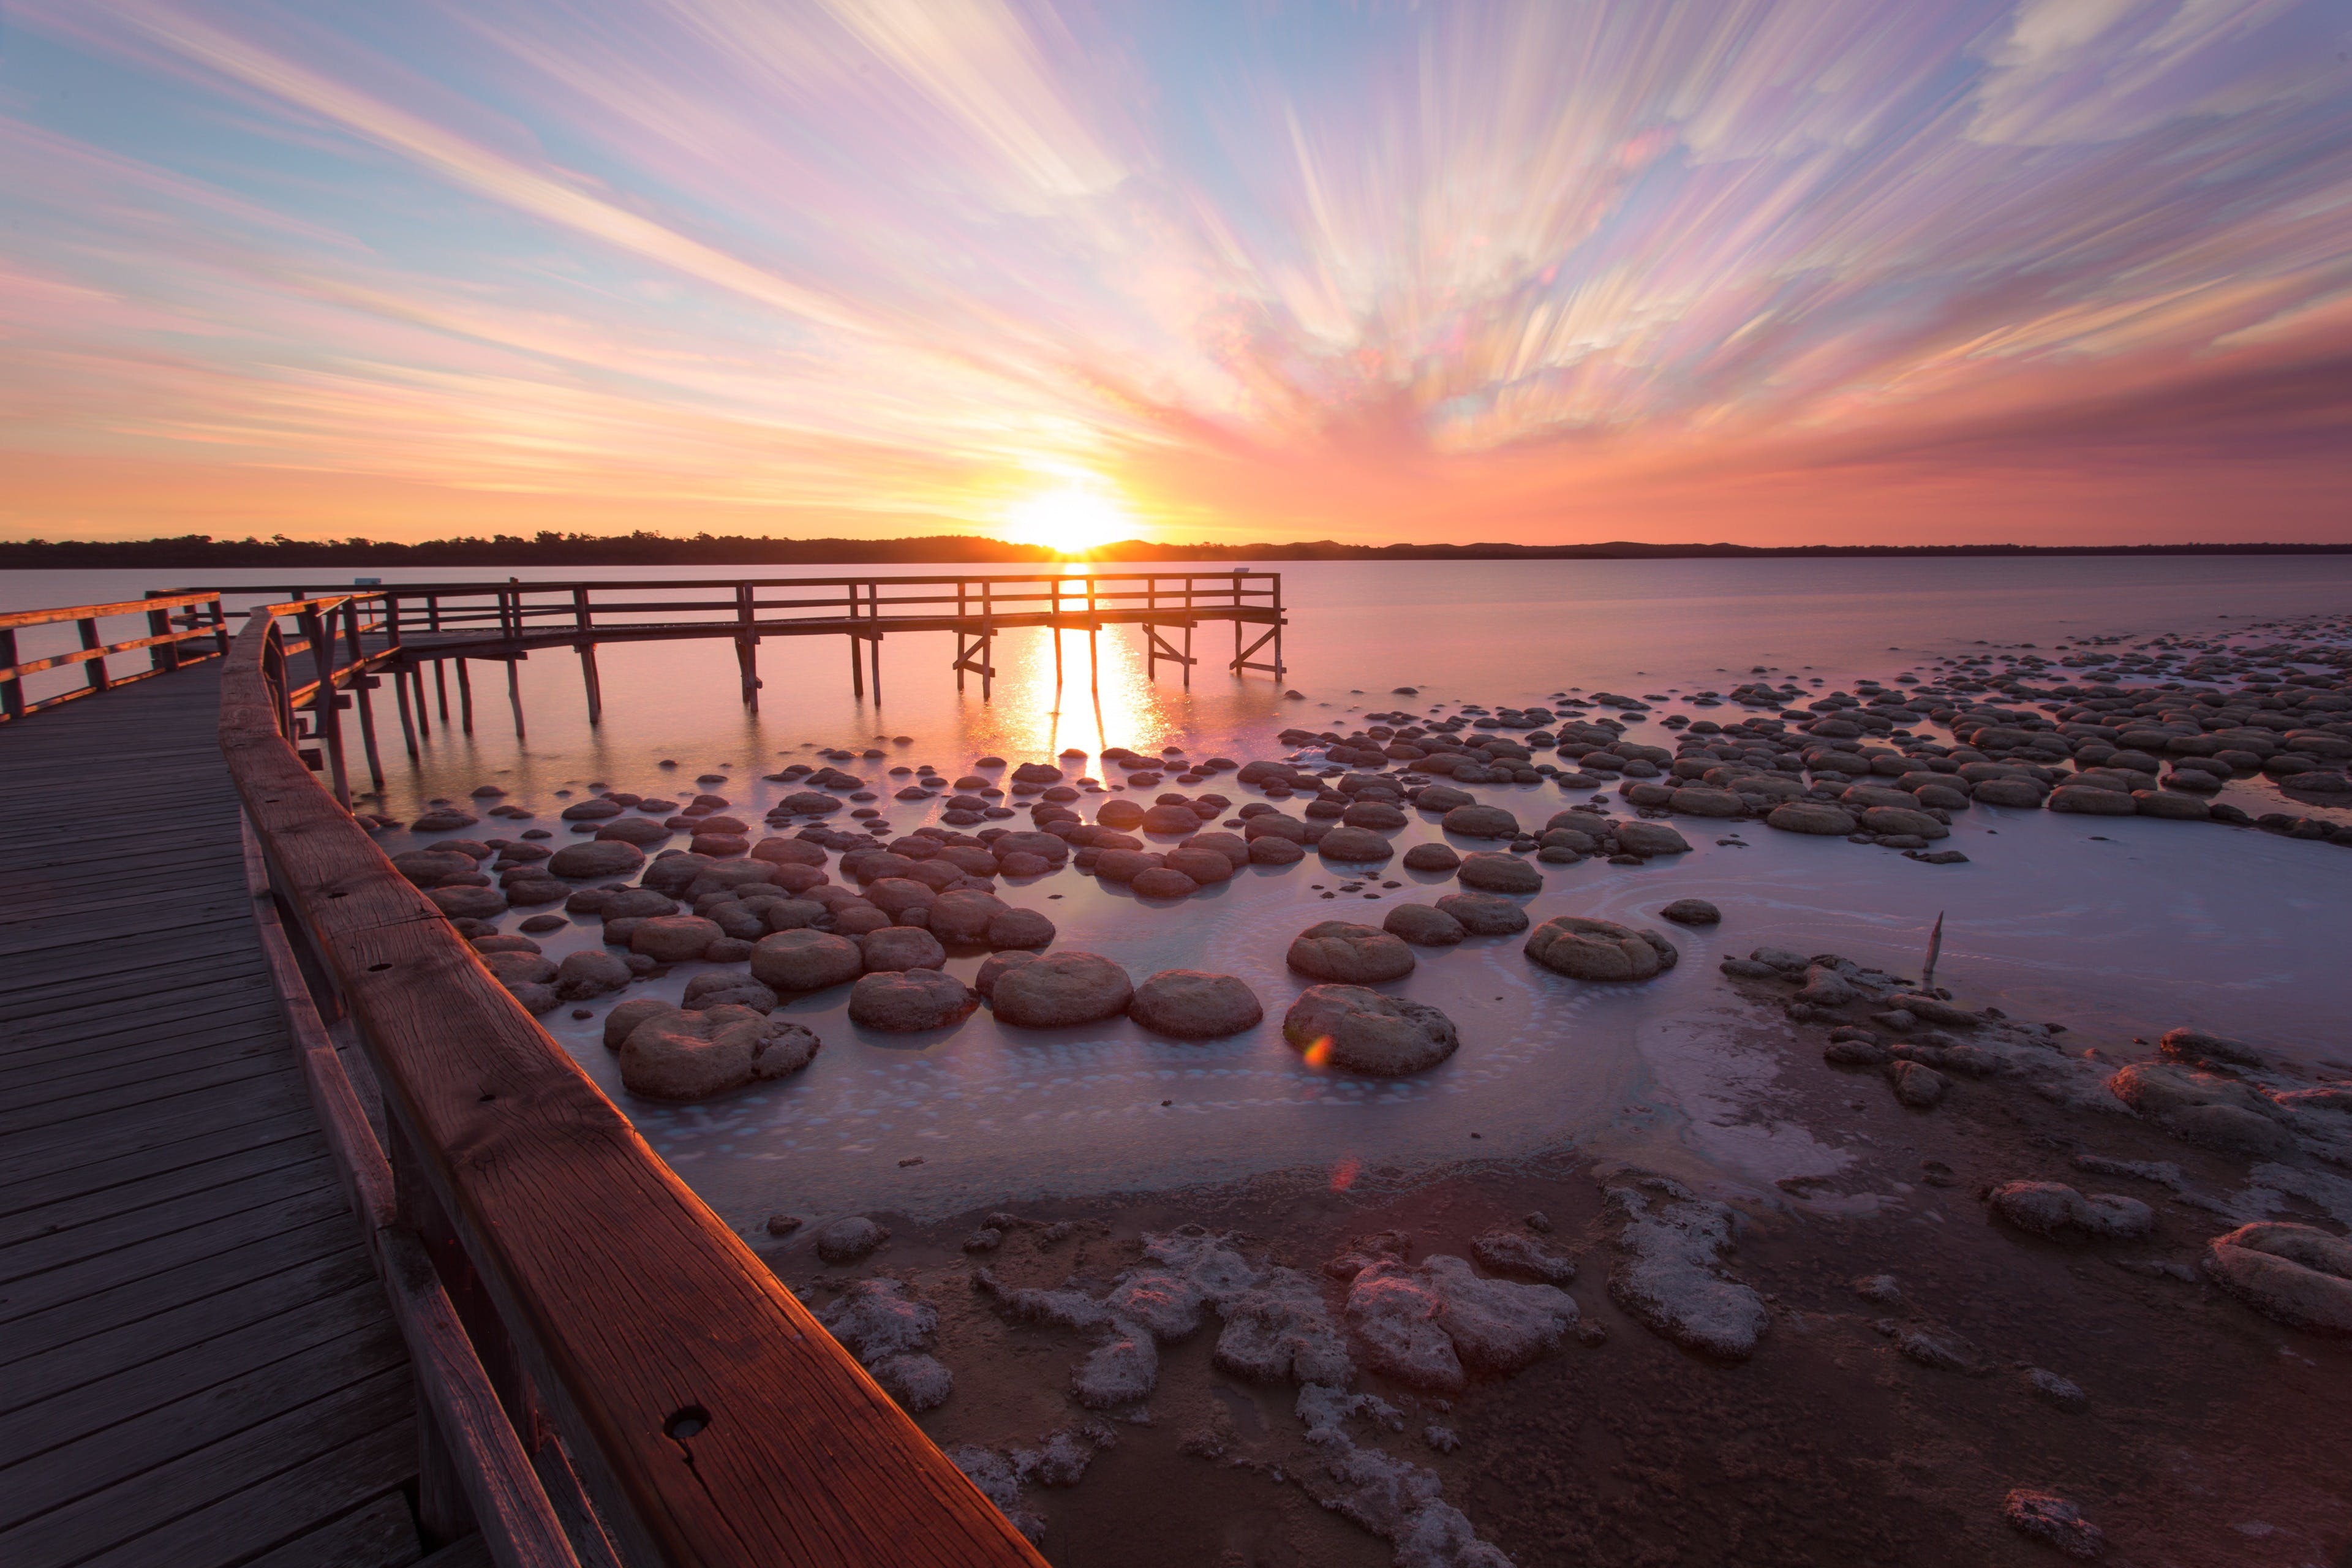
x: 314, y: 1247
x: 413, y: 627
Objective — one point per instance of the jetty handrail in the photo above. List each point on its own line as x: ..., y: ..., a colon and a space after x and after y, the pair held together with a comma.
x: 709, y: 1417
x: 162, y: 642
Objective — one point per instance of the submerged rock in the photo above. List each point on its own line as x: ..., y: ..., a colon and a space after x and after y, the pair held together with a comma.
x: 1585, y: 949
x: 1059, y: 990
x: 1361, y: 1030
x: 681, y: 1054
x: 1193, y: 1005
x: 1350, y: 954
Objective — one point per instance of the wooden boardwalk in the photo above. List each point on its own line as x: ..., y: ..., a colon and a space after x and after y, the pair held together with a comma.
x: 197, y: 1365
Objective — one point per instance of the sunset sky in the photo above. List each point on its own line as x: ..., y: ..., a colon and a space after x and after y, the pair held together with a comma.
x: 1910, y: 270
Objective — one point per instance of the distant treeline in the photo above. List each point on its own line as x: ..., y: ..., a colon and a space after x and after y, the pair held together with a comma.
x: 645, y: 549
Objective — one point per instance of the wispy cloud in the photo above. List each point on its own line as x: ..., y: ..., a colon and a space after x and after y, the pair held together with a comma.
x: 1638, y: 268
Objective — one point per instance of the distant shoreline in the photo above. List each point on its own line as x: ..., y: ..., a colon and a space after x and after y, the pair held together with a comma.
x: 654, y: 549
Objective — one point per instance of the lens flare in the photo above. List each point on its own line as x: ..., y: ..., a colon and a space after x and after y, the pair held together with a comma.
x: 1072, y: 517
x: 1318, y: 1051
x: 1343, y: 1174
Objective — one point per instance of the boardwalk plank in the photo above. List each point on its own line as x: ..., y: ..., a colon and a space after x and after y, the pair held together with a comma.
x: 379, y: 1534
x: 147, y: 1191
x: 250, y: 1488
x: 135, y: 1228
x: 184, y: 1324
x: 40, y: 1296
x: 48, y: 1186
x: 77, y: 1466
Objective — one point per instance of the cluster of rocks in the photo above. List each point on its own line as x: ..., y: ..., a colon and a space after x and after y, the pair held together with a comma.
x: 2210, y: 1090
x: 1431, y: 1326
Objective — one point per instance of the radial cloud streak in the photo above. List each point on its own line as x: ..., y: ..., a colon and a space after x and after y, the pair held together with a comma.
x: 1826, y: 271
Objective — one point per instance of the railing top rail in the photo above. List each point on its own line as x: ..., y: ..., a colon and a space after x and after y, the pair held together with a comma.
x: 716, y: 1422
x: 13, y: 619
x: 569, y: 585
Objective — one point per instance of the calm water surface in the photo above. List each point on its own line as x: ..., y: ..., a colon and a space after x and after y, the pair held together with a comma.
x: 2116, y: 928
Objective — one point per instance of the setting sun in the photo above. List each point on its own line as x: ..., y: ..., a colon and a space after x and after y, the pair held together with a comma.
x: 1073, y: 517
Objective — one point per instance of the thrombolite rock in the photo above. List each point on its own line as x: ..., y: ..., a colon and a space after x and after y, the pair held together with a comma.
x: 1431, y: 857
x: 791, y: 962
x: 1422, y: 926
x: 2295, y: 1274
x: 683, y: 1055
x: 1691, y: 912
x: 1516, y: 1253
x: 1672, y: 1245
x: 590, y: 972
x: 596, y: 857
x: 720, y: 989
x: 1367, y: 1031
x: 848, y: 1239
x: 890, y: 1331
x: 1916, y: 1085
x: 1058, y: 990
x: 674, y: 938
x: 1585, y: 949
x: 1492, y: 872
x: 1019, y: 928
x: 1484, y: 914
x: 2057, y: 1211
x: 907, y: 1001
x: 1162, y: 883
x: 2054, y: 1522
x: 1354, y: 844
x: 900, y: 947
x: 1348, y: 954
x: 2202, y: 1108
x: 1482, y: 822
x: 1903, y: 820
x: 1421, y: 1324
x: 1270, y: 851
x: 469, y: 903
x: 2196, y: 1047
x: 1703, y: 800
x: 1191, y: 1004
x: 1817, y: 818
x: 2087, y: 800
x: 1650, y: 838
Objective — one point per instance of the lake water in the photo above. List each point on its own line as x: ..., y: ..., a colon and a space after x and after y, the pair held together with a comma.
x: 2115, y: 927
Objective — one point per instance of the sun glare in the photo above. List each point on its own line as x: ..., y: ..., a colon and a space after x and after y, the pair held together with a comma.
x: 1072, y: 517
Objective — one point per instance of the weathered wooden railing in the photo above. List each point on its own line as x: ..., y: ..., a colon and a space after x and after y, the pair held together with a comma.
x: 613, y: 1330
x: 506, y: 620
x: 166, y: 641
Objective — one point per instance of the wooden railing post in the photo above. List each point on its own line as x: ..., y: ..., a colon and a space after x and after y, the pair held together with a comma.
x: 747, y: 655
x: 164, y: 656
x: 325, y: 717
x: 12, y: 690
x: 95, y: 669
x: 361, y: 684
x: 581, y: 618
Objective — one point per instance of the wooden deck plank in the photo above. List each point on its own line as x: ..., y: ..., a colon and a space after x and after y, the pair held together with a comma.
x: 145, y: 1192
x: 379, y: 1534
x: 47, y: 1186
x: 95, y: 1284
x: 238, y: 1490
x: 96, y: 1138
x: 214, y: 1033
x: 110, y: 1090
x: 130, y: 1393
x: 182, y: 1325
x: 135, y: 1228
x: 75, y: 1467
